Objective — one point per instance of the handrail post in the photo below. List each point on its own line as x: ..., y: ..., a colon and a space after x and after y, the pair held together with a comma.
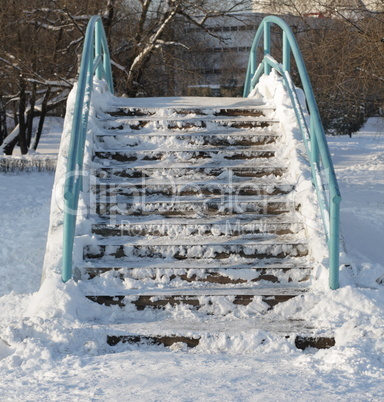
x: 314, y: 144
x: 267, y: 46
x: 252, y: 64
x: 98, y: 49
x: 286, y: 53
x: 334, y: 243
x: 66, y: 273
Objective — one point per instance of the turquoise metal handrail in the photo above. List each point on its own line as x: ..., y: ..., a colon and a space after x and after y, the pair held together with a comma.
x: 95, y: 62
x: 313, y: 134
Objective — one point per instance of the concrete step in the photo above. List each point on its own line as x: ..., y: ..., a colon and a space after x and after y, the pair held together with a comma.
x: 184, y: 155
x: 302, y: 342
x: 111, y: 140
x: 257, y: 111
x: 189, y: 207
x: 185, y: 122
x: 159, y: 104
x: 231, y: 266
x: 192, y: 333
x: 187, y: 251
x: 175, y: 228
x: 121, y: 190
x: 178, y: 170
x: 198, y: 298
x: 237, y: 274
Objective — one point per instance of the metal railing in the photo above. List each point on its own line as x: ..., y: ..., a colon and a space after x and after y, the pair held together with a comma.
x: 312, y: 133
x: 95, y: 62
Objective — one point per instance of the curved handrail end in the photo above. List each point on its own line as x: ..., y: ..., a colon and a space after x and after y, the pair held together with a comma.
x: 318, y: 154
x: 95, y: 61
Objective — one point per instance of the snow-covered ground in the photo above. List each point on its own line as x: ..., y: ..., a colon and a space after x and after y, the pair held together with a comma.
x: 360, y: 170
x: 50, y: 356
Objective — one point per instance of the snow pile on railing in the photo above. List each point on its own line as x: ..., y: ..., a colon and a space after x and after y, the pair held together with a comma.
x: 53, y: 255
x: 271, y: 88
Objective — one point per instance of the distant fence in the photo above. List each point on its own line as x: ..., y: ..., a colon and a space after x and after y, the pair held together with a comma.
x: 15, y: 164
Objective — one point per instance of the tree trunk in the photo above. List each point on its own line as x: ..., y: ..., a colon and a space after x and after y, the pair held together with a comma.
x: 22, y: 123
x: 3, y: 122
x: 15, y: 117
x: 42, y: 118
x: 31, y: 115
x: 108, y: 20
x: 11, y: 143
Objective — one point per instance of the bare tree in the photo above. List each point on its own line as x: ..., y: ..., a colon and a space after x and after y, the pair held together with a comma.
x: 154, y: 27
x: 38, y: 59
x: 42, y: 40
x: 342, y: 45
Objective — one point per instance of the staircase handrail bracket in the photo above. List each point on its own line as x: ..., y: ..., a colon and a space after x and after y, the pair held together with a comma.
x: 95, y: 63
x: 311, y: 129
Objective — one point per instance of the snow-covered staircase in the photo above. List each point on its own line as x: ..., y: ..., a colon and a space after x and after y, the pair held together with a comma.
x: 192, y: 208
x: 205, y: 221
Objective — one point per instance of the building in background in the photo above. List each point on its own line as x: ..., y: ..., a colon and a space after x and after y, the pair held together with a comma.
x: 218, y: 59
x: 319, y: 8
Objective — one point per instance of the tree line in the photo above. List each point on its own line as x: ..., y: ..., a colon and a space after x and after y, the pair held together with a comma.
x: 42, y: 40
x: 344, y: 54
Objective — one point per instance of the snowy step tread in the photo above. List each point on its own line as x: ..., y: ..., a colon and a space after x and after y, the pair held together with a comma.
x: 173, y: 117
x: 203, y: 275
x: 188, y: 102
x: 223, y: 200
x: 125, y: 190
x: 166, y: 181
x: 199, y: 164
x: 249, y: 239
x: 124, y: 172
x: 203, y: 264
x: 192, y: 149
x: 174, y: 251
x: 207, y: 228
x: 213, y: 291
x: 143, y: 134
x: 156, y: 220
x: 217, y: 325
